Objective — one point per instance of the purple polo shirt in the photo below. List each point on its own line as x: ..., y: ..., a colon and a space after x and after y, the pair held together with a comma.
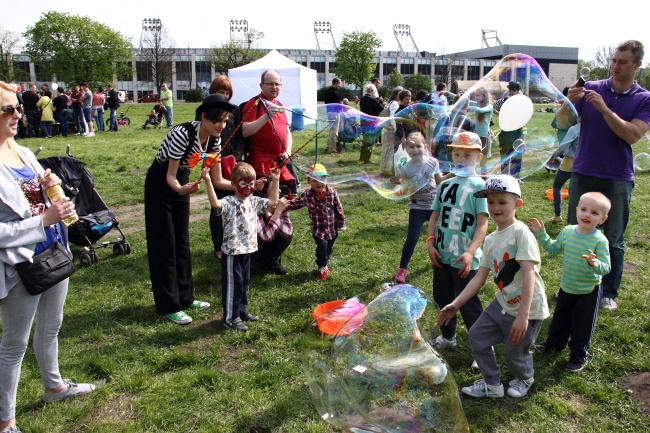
x: 601, y: 152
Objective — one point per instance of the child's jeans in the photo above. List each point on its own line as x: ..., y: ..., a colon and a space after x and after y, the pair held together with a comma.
x: 323, y: 251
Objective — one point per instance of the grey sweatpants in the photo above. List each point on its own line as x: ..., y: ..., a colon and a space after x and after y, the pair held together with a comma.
x: 493, y: 327
x: 18, y: 311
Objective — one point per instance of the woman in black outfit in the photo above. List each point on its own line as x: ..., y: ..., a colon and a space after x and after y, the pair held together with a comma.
x: 167, y: 207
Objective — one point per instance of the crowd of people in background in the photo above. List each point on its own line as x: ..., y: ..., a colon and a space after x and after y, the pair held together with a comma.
x: 251, y: 201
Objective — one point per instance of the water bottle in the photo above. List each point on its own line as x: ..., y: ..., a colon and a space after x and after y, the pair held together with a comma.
x: 55, y: 193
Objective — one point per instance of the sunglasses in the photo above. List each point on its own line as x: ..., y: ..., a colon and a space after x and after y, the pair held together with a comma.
x: 11, y: 109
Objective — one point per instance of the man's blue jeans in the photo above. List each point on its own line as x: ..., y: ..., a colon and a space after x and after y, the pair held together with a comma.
x: 113, y: 121
x: 620, y: 194
x: 169, y: 114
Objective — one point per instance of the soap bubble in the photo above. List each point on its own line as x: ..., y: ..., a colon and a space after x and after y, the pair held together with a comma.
x: 438, y: 124
x: 642, y: 161
x: 378, y: 373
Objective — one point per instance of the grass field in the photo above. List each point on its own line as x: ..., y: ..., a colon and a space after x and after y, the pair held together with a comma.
x: 154, y: 376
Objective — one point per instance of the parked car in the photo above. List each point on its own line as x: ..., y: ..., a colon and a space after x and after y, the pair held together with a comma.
x: 541, y: 100
x: 149, y: 98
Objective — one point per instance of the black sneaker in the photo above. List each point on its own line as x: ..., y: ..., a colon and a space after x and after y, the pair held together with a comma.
x: 278, y: 269
x: 248, y: 317
x: 544, y: 348
x: 236, y: 325
x: 575, y: 367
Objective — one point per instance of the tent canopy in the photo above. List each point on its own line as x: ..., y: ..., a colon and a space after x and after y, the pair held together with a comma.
x: 299, y: 83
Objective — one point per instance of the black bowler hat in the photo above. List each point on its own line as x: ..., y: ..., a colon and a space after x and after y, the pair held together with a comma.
x: 513, y: 85
x: 215, y: 101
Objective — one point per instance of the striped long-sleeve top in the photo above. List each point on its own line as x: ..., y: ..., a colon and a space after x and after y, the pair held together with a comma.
x: 578, y: 277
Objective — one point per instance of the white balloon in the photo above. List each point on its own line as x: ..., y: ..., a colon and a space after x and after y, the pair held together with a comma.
x: 515, y: 112
x: 54, y: 86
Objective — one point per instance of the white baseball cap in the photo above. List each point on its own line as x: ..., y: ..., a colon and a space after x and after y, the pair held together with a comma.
x: 500, y: 183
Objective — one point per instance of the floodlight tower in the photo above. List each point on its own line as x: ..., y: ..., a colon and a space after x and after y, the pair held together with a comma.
x: 238, y: 29
x: 151, y: 27
x: 323, y: 28
x: 404, y: 31
x: 485, y: 38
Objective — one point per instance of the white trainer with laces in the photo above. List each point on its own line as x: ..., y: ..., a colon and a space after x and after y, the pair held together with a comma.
x: 519, y: 388
x: 441, y: 342
x: 481, y: 389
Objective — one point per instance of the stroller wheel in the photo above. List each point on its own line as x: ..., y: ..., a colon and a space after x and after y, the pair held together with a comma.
x: 95, y: 257
x: 86, y: 259
x: 127, y: 247
x: 119, y: 249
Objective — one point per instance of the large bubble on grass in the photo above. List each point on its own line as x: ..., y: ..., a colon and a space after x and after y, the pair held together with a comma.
x: 370, y: 368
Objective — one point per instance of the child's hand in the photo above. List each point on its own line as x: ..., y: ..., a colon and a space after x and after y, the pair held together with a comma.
x: 281, y: 205
x: 518, y: 330
x: 275, y: 173
x: 434, y: 255
x: 205, y: 174
x: 259, y: 184
x: 466, y: 258
x: 535, y: 225
x: 446, y: 314
x: 399, y: 190
x: 590, y: 258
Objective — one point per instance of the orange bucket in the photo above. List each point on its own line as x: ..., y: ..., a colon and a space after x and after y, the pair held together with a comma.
x: 332, y: 316
x: 564, y: 193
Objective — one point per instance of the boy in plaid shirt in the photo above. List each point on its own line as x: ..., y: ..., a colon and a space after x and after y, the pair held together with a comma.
x: 325, y: 212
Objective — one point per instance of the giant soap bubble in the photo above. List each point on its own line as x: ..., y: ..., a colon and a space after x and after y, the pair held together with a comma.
x: 377, y: 373
x: 438, y: 123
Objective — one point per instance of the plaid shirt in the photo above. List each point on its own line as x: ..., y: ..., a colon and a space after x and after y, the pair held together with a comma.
x: 269, y: 227
x: 326, y: 213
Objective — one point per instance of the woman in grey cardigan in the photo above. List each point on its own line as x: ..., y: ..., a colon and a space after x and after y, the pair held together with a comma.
x: 28, y: 224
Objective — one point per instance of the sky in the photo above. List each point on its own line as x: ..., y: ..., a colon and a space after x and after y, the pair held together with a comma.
x: 290, y: 24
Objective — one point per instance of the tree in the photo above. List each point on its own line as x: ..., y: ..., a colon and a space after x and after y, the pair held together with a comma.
x: 602, y: 63
x: 8, y: 44
x: 76, y: 48
x: 395, y: 79
x: 417, y: 82
x: 157, y: 52
x: 236, y: 52
x: 355, y: 57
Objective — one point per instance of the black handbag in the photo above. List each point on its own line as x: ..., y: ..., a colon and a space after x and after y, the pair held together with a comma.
x: 48, y: 268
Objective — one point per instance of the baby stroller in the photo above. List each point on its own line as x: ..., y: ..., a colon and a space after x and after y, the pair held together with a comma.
x: 156, y: 117
x: 349, y: 132
x: 95, y: 219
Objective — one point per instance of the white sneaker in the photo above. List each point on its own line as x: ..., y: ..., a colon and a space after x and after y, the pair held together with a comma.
x: 441, y: 342
x: 608, y: 304
x: 90, y: 134
x: 481, y: 389
x: 519, y: 388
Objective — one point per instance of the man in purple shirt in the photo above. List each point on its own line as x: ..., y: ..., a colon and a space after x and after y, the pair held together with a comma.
x: 615, y: 114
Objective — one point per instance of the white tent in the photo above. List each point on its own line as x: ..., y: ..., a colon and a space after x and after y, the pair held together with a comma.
x: 298, y: 83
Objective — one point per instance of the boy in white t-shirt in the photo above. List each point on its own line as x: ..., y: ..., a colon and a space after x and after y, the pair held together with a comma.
x: 239, y: 216
x: 515, y: 316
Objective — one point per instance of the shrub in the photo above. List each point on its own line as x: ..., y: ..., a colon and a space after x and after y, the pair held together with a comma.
x: 194, y: 95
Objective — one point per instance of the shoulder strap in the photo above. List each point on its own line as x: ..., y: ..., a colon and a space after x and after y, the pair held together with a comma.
x: 191, y: 134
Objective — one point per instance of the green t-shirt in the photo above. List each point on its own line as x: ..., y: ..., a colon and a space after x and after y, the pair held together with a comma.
x: 458, y: 217
x: 167, y: 94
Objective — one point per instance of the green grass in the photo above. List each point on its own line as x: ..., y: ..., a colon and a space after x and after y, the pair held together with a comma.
x: 155, y: 376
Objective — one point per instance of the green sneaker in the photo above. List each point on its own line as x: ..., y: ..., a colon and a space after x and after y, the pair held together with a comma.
x: 179, y: 318
x: 199, y: 305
